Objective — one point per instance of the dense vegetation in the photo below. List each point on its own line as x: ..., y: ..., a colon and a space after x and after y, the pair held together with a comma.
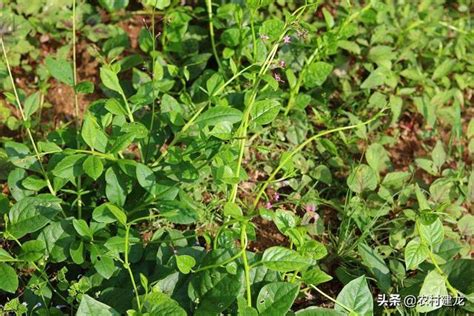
x: 253, y: 157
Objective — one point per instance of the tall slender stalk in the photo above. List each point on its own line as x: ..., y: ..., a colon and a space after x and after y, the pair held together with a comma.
x: 76, y: 105
x: 211, y: 32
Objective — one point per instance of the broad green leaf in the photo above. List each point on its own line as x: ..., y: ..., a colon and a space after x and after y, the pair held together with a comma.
x: 231, y: 37
x: 85, y: 87
x: 116, y: 188
x: 8, y: 278
x: 432, y: 234
x: 444, y: 68
x: 58, y: 236
x: 31, y: 104
x: 272, y: 28
x: 276, y: 298
x: 362, y: 178
x: 110, y: 79
x: 219, y: 114
x: 32, y: 213
x: 356, y: 295
x: 232, y: 210
x: 466, y: 225
x: 105, y: 266
x: 113, y: 5
x: 315, y: 276
x: 283, y: 259
x: 32, y: 250
x: 433, y: 286
x: 5, y: 256
x: 109, y: 213
x: 316, y: 74
x: 374, y: 261
x: 82, y: 229
x: 185, y: 263
x: 146, y: 177
x: 76, y: 250
x: 90, y: 306
x: 375, y: 79
x: 215, y: 289
x: 265, y: 111
x: 415, y: 253
x: 61, y: 70
x: 377, y: 157
x: 70, y: 166
x: 93, y: 167
x: 34, y: 183
x: 93, y: 135
x: 159, y: 4
x: 157, y: 303
x: 438, y: 155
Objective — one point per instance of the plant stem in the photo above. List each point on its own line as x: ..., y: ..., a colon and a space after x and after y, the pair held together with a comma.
x: 211, y: 32
x: 333, y: 300
x: 22, y: 113
x: 76, y: 104
x: 128, y: 268
x: 243, y: 244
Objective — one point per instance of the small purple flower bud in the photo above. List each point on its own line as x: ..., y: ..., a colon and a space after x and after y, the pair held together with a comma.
x: 286, y: 39
x: 282, y: 64
x: 277, y: 77
x: 268, y: 205
x: 310, y: 208
x: 276, y: 197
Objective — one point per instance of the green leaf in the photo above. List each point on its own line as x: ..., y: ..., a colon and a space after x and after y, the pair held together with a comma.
x: 377, y: 157
x: 76, y: 250
x: 90, y: 306
x: 93, y: 135
x: 61, y: 70
x: 85, y: 87
x: 276, y: 298
x: 158, y: 303
x: 8, y: 278
x: 316, y: 74
x: 315, y: 276
x: 32, y: 213
x: 113, y: 5
x: 34, y: 183
x: 265, y: 111
x: 105, y: 266
x: 31, y: 104
x: 415, y: 253
x: 215, y: 289
x: 93, y: 167
x: 362, y: 178
x: 231, y: 37
x: 356, y: 295
x: 58, y: 236
x: 444, y: 68
x: 438, y: 155
x: 5, y: 256
x: 110, y: 79
x: 146, y: 177
x: 185, y: 263
x: 283, y: 259
x: 232, y: 210
x: 372, y: 260
x: 32, y: 250
x: 109, y: 213
x: 431, y: 234
x: 433, y: 286
x: 375, y: 79
x: 219, y: 114
x: 82, y: 229
x: 159, y: 4
x: 70, y: 166
x: 272, y: 28
x: 116, y: 189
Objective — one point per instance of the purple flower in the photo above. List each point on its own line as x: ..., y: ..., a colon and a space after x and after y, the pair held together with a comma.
x: 286, y: 39
x: 310, y: 208
x: 277, y: 77
x: 282, y: 64
x: 276, y: 197
x: 268, y: 205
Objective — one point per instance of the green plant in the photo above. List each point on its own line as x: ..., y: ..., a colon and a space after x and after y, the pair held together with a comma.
x: 216, y: 125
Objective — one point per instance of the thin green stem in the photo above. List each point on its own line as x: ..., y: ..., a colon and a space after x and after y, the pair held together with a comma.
x: 243, y: 244
x: 350, y: 310
x: 22, y: 113
x: 211, y: 32
x: 126, y: 265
